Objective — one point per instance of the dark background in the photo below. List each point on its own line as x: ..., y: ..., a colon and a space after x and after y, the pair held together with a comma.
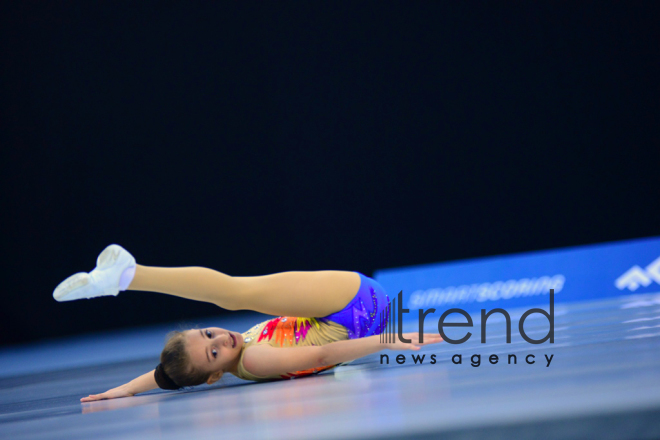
x: 262, y: 137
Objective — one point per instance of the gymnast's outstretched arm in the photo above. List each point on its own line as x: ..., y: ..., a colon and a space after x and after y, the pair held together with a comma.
x: 264, y: 360
x: 140, y: 384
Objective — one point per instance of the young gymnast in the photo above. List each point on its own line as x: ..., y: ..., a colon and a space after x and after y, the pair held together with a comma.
x: 323, y: 319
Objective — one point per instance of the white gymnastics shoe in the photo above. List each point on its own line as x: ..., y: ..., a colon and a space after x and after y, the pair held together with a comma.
x: 114, y: 271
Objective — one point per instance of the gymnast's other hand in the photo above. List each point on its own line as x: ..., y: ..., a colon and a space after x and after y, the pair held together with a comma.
x: 414, y: 344
x: 114, y: 393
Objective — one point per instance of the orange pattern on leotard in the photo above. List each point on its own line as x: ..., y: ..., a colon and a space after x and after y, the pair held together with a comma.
x: 286, y: 329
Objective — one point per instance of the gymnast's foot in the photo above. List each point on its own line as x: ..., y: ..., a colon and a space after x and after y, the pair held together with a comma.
x: 114, y: 271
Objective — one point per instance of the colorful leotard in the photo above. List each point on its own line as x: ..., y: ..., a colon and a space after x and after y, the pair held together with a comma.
x: 358, y: 319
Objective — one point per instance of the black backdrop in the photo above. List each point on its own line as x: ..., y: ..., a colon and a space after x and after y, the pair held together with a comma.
x: 264, y: 137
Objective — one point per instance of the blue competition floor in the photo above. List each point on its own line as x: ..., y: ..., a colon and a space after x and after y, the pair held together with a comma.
x: 603, y: 382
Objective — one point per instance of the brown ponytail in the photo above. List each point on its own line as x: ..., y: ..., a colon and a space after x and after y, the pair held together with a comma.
x: 174, y: 370
x: 163, y: 380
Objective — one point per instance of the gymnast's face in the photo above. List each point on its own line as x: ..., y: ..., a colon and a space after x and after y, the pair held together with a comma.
x: 213, y: 349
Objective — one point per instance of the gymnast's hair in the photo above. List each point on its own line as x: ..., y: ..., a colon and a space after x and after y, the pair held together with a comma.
x: 175, y: 370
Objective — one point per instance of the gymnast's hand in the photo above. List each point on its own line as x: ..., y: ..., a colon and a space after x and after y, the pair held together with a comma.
x: 414, y: 344
x: 114, y: 393
x: 140, y: 384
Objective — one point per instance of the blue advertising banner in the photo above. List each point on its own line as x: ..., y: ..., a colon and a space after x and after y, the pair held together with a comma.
x: 522, y: 280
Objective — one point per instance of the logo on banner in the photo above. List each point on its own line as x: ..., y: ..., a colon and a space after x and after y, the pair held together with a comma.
x: 635, y: 277
x: 481, y: 292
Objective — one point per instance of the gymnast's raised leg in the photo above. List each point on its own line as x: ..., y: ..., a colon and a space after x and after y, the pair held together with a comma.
x: 310, y: 294
x: 313, y: 294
